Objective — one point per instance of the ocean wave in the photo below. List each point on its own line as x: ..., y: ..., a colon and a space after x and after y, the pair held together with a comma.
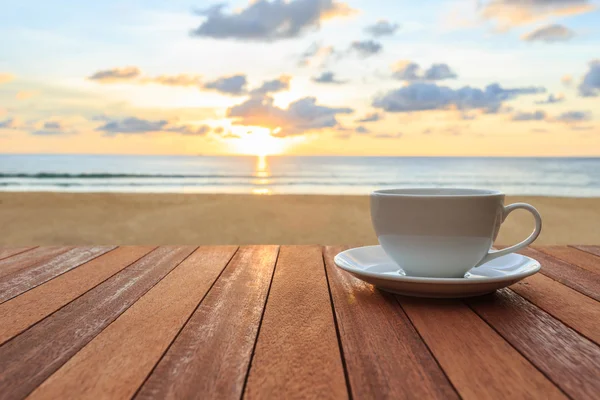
x: 105, y: 175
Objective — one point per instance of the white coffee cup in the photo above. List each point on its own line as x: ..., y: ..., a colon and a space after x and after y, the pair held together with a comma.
x: 443, y: 232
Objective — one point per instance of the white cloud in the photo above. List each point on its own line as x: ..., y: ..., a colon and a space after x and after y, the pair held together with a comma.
x: 273, y: 86
x: 235, y: 84
x: 371, y: 117
x: 420, y: 96
x: 573, y: 117
x: 264, y: 20
x: 552, y: 99
x: 529, y: 116
x: 382, y: 28
x: 549, y: 34
x: 116, y: 75
x: 327, y: 77
x: 590, y: 84
x: 510, y: 13
x: 138, y: 126
x: 366, y: 48
x: 410, y: 71
x: 301, y: 116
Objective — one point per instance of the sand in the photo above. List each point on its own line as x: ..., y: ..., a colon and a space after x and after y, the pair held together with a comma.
x: 102, y: 218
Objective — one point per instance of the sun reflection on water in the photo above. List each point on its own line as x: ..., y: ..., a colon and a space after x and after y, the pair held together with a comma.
x: 261, y: 170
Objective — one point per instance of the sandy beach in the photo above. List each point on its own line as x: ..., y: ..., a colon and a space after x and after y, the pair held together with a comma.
x: 103, y: 218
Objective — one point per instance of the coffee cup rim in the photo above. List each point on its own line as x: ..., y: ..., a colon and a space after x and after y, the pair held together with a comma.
x: 437, y: 192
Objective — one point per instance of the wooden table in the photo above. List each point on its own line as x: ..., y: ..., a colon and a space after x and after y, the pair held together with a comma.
x: 284, y: 322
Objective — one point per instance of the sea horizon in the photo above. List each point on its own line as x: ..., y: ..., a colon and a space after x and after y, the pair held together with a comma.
x: 285, y: 174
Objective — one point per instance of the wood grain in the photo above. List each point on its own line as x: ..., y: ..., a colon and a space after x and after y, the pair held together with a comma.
x: 573, y: 256
x: 568, y: 359
x: 297, y: 354
x: 116, y: 363
x: 589, y: 249
x: 571, y: 307
x: 21, y: 281
x: 6, y: 252
x: 30, y: 358
x: 29, y: 259
x: 21, y: 312
x: 210, y: 357
x: 580, y: 279
x: 479, y: 362
x: 384, y: 355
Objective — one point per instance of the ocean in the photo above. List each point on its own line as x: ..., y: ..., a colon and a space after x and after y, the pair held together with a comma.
x: 575, y: 177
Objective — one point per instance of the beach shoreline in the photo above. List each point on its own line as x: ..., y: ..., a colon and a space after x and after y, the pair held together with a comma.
x: 52, y: 218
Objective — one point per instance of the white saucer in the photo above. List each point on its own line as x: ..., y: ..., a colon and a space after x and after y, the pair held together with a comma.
x: 371, y: 264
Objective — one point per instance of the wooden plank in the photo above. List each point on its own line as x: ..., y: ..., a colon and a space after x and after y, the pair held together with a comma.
x: 210, y: 357
x: 6, y: 252
x: 21, y: 281
x: 571, y: 307
x: 573, y: 256
x: 580, y: 279
x: 30, y: 358
x: 568, y: 359
x: 116, y: 363
x: 384, y: 355
x: 297, y: 353
x: 590, y: 249
x: 21, y: 312
x: 479, y: 362
x: 30, y: 259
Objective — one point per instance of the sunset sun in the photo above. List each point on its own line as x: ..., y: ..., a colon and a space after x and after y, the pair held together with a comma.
x: 259, y: 142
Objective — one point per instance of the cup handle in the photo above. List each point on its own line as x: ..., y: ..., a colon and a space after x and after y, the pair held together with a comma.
x: 536, y: 232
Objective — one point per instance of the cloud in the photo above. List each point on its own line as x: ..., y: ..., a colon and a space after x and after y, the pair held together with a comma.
x: 361, y: 130
x: 189, y: 130
x: 235, y: 84
x: 53, y: 128
x: 552, y: 99
x: 549, y: 34
x: 510, y: 13
x: 134, y: 75
x: 11, y: 123
x: 388, y: 135
x: 264, y: 20
x: 366, y: 48
x: 316, y: 55
x: 273, y: 86
x: 327, y: 77
x: 134, y: 125
x: 573, y: 117
x: 231, y: 85
x: 372, y: 117
x: 382, y: 28
x: 410, y: 71
x: 407, y: 71
x: 181, y: 80
x: 420, y: 96
x: 529, y: 116
x: 301, y: 116
x: 116, y: 75
x: 5, y: 77
x: 590, y: 84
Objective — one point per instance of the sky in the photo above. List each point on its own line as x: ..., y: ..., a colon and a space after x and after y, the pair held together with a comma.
x: 306, y: 77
